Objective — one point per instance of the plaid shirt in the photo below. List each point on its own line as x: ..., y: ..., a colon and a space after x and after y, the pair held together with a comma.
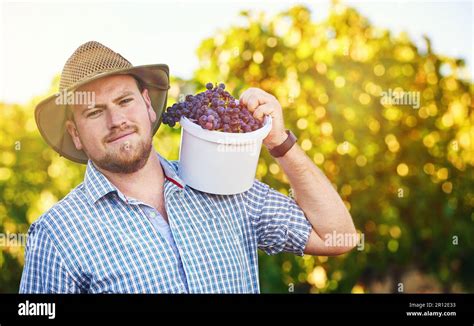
x: 96, y: 240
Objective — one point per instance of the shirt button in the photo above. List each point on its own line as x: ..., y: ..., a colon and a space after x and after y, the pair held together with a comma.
x: 153, y: 215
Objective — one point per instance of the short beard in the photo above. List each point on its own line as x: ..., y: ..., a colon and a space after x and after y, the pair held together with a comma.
x: 113, y: 162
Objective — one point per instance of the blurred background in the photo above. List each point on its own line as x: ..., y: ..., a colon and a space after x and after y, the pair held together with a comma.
x: 405, y: 171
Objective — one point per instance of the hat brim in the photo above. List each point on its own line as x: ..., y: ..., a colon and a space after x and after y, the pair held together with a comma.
x: 51, y: 117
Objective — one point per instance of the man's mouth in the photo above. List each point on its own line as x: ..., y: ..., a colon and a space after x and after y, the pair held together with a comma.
x: 121, y: 136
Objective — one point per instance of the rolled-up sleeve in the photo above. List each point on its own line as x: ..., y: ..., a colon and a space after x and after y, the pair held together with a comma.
x: 280, y: 224
x: 44, y: 270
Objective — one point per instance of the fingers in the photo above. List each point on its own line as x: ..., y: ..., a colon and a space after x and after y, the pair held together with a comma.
x: 264, y: 109
x: 253, y: 97
x: 253, y: 91
x: 245, y: 95
x: 253, y: 102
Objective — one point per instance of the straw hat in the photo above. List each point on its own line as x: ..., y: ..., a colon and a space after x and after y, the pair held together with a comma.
x: 89, y: 62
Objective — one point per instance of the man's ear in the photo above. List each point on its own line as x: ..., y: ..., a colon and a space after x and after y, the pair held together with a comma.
x: 149, y: 108
x: 72, y: 130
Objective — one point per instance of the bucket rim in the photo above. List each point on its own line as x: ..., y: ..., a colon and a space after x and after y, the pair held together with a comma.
x: 227, y: 137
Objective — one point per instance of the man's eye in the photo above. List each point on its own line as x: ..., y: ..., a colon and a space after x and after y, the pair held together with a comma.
x: 93, y: 114
x: 125, y: 101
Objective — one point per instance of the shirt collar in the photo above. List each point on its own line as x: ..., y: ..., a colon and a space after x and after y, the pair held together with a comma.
x: 97, y: 185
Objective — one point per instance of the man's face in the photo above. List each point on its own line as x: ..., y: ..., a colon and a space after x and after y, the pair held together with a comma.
x: 116, y: 133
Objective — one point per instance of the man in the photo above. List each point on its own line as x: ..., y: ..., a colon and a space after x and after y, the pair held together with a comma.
x: 133, y: 226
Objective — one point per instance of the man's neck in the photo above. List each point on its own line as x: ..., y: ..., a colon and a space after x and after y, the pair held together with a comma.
x: 145, y: 185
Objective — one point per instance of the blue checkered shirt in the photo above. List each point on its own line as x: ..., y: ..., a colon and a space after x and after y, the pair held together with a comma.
x: 96, y: 240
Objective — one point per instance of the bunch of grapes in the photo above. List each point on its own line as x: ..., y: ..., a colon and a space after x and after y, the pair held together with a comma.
x: 213, y: 109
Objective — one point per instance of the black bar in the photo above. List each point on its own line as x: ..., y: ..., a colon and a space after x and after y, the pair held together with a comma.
x: 335, y: 306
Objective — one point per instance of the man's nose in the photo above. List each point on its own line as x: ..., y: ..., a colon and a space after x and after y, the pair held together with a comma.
x: 115, y: 117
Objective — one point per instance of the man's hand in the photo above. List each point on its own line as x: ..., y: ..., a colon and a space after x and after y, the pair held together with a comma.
x: 261, y: 103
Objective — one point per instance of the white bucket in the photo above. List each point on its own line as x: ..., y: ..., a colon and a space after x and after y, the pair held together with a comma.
x: 219, y: 162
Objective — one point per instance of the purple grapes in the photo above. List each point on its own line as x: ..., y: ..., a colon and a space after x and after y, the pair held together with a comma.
x: 213, y: 109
